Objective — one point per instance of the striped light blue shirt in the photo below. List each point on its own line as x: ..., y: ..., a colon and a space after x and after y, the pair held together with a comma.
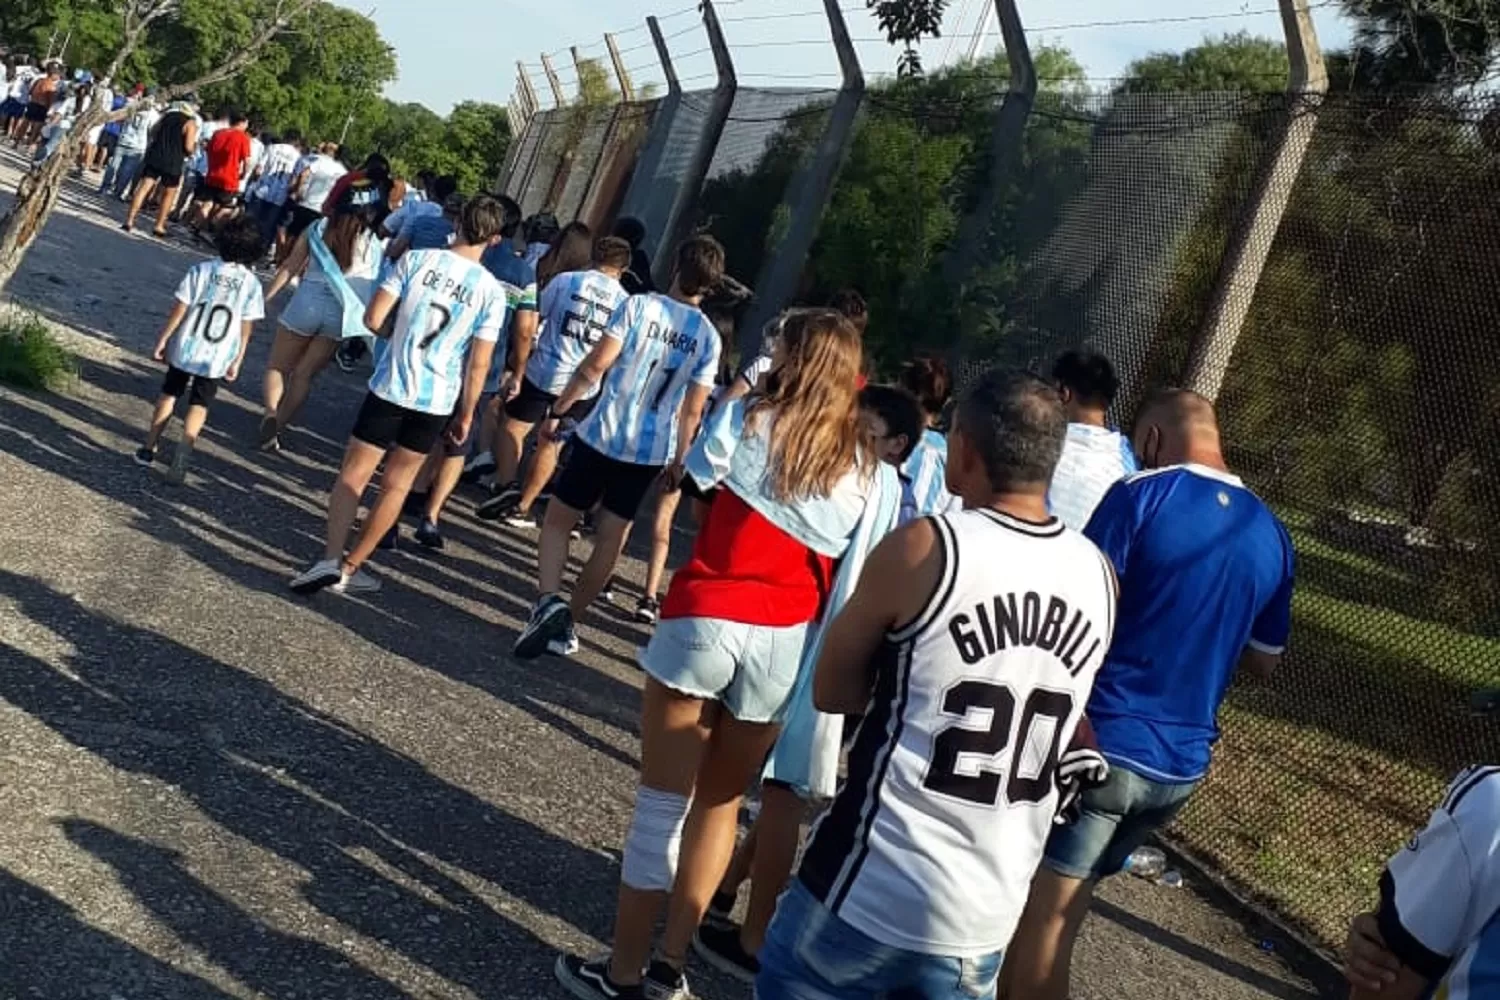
x: 924, y: 479
x: 220, y: 298
x: 665, y: 347
x: 1093, y: 460
x: 576, y: 309
x: 447, y: 302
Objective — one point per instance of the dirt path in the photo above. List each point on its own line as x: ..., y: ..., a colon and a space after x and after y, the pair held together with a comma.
x: 213, y: 789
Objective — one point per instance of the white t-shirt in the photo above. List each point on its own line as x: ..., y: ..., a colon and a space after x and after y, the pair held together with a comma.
x: 135, y: 133
x: 447, y: 302
x: 20, y: 84
x: 257, y: 154
x: 1440, y: 897
x: 277, y: 170
x: 323, y: 172
x: 221, y: 298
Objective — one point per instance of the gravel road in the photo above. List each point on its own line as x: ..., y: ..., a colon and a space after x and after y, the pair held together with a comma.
x: 214, y: 789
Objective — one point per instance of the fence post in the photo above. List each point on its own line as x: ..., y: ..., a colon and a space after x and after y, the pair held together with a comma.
x: 810, y: 190
x: 627, y: 91
x: 1006, y: 142
x: 654, y: 150
x: 1250, y: 244
x: 552, y: 81
x: 680, y: 219
x: 527, y: 92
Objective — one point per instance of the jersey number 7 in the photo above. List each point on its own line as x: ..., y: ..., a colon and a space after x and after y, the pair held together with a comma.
x: 438, y: 318
x: 979, y: 782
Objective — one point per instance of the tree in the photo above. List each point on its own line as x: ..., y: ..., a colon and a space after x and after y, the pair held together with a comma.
x: 1425, y: 42
x: 1238, y: 63
x: 258, y: 22
x: 907, y: 22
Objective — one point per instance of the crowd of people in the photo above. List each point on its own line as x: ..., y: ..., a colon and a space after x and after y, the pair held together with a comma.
x: 982, y: 636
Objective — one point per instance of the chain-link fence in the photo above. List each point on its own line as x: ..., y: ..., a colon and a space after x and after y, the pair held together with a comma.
x: 1360, y: 399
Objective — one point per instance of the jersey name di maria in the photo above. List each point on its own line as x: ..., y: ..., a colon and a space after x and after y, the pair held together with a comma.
x: 931, y: 844
x: 447, y: 302
x: 665, y: 347
x: 576, y: 310
x: 220, y: 298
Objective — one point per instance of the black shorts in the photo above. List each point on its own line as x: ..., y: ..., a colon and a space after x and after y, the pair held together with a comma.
x: 590, y: 477
x: 386, y: 425
x: 37, y: 112
x: 203, y: 388
x: 300, y: 220
x: 166, y: 178
x: 218, y: 196
x: 530, y: 405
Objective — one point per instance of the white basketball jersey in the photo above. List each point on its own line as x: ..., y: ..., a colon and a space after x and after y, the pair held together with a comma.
x: 931, y: 844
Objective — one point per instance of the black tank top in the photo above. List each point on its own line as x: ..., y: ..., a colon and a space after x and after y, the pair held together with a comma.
x: 168, y: 147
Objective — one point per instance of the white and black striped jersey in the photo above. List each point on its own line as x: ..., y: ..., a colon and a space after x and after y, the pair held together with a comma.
x: 931, y: 844
x: 1440, y: 897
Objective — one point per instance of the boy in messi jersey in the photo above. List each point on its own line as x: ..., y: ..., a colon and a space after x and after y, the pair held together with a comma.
x: 1436, y: 932
x: 427, y: 384
x: 656, y: 361
x: 576, y: 309
x: 205, y: 337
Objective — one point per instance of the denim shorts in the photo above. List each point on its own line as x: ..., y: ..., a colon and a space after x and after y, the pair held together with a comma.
x: 810, y: 954
x: 750, y: 669
x: 1115, y: 819
x: 315, y: 311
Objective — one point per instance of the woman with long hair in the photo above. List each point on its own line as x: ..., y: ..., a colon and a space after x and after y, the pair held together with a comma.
x: 338, y: 260
x: 798, y: 489
x: 924, y: 475
x: 571, y: 250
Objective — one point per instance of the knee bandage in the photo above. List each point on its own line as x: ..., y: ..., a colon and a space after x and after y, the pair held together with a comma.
x: 650, y: 861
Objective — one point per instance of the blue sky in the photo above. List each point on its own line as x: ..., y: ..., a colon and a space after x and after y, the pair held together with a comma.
x: 454, y: 50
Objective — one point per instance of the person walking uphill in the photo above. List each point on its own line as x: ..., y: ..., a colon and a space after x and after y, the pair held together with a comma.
x: 163, y: 165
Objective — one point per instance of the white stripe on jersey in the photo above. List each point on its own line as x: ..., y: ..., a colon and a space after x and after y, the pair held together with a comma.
x: 447, y: 302
x: 666, y: 346
x: 576, y: 309
x: 1093, y: 460
x: 220, y: 298
x: 931, y: 844
x: 924, y: 479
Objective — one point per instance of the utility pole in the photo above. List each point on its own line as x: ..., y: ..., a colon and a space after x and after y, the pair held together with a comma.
x: 1250, y: 244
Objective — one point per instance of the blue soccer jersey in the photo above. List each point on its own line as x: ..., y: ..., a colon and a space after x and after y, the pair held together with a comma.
x: 924, y: 479
x: 220, y: 298
x: 447, y: 303
x: 665, y: 347
x: 575, y: 310
x: 1205, y: 571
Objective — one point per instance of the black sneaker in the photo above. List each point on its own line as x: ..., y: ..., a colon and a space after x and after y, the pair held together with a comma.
x: 590, y: 980
x: 550, y: 620
x: 662, y: 982
x: 648, y: 610
x: 145, y: 456
x: 388, y: 542
x: 428, y: 536
x: 720, y: 909
x: 501, y: 502
x: 608, y: 593
x: 720, y: 947
x: 478, y: 468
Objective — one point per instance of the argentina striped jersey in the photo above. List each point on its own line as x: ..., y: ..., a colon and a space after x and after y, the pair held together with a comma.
x: 576, y: 310
x: 665, y: 347
x: 1093, y: 460
x: 447, y: 302
x: 924, y: 479
x: 220, y: 298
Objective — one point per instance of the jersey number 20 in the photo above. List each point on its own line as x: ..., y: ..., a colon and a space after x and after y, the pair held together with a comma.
x: 981, y: 783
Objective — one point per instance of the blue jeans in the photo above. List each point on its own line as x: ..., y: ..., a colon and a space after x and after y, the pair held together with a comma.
x: 123, y: 165
x: 1115, y: 819
x: 810, y: 954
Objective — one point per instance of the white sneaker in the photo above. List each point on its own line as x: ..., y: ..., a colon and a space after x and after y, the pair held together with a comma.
x: 526, y: 522
x: 359, y: 582
x: 567, y: 645
x: 324, y: 573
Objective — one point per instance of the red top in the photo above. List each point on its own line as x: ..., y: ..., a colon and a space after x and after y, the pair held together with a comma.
x: 227, y: 152
x: 745, y: 569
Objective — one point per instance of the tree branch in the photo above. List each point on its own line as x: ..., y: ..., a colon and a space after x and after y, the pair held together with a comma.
x: 284, y: 12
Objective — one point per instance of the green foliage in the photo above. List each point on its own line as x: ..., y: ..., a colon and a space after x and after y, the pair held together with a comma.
x: 1238, y: 62
x: 31, y: 357
x: 1423, y: 42
x: 905, y: 23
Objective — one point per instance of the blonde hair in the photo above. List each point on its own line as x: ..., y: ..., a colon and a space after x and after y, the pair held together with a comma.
x: 813, y: 402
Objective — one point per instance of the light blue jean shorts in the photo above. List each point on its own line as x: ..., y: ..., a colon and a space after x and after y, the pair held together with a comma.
x: 750, y: 669
x: 315, y: 311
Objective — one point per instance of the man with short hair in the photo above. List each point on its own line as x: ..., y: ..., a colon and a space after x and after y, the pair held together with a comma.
x: 130, y: 149
x: 275, y: 184
x: 227, y: 154
x: 655, y: 362
x: 970, y: 647
x: 1096, y: 456
x: 1206, y: 574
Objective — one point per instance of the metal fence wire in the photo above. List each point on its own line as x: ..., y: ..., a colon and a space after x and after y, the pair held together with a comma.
x: 1360, y: 400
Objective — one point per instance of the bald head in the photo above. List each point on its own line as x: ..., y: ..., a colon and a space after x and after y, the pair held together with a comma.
x: 1177, y: 426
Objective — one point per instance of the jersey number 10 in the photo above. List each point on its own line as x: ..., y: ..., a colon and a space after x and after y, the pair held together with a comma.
x: 980, y: 783
x: 210, y: 324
